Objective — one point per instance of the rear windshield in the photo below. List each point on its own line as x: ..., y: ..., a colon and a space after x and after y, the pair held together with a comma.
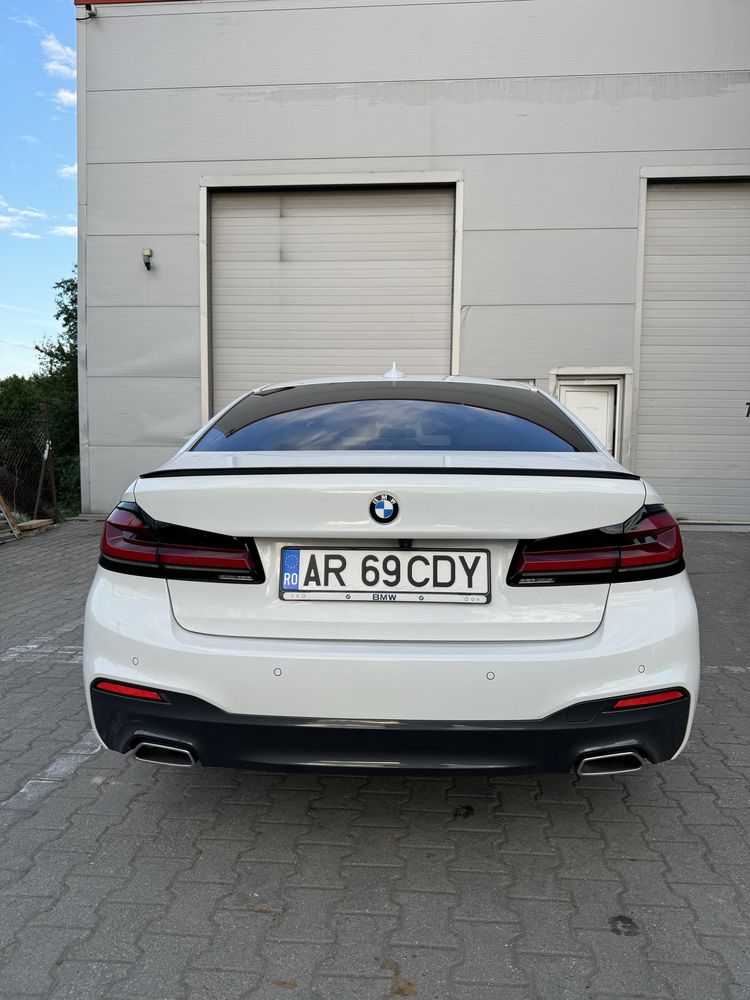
x: 428, y: 416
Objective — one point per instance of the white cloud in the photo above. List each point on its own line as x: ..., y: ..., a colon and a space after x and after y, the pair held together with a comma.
x: 30, y: 139
x: 68, y: 170
x: 15, y: 220
x: 55, y: 68
x: 27, y: 22
x: 65, y: 99
x: 61, y: 59
x: 64, y: 231
x: 28, y: 213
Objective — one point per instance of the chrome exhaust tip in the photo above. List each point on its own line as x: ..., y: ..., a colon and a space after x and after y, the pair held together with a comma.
x: 162, y: 753
x: 624, y: 762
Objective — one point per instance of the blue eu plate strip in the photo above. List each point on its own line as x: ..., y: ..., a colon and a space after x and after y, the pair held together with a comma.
x: 290, y: 569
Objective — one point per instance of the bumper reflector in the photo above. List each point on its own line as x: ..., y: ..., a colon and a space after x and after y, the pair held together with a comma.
x: 129, y: 692
x: 643, y: 700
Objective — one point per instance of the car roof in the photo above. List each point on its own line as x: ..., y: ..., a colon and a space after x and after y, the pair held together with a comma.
x: 270, y: 387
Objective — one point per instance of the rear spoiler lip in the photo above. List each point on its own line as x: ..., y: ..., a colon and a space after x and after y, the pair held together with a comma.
x: 389, y: 470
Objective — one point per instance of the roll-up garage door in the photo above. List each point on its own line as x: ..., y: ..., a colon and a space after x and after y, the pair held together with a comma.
x: 694, y: 399
x: 317, y: 282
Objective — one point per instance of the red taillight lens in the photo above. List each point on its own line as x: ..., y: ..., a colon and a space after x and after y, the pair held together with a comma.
x: 131, y: 538
x: 551, y: 562
x: 648, y: 545
x: 126, y: 536
x: 145, y: 694
x: 643, y: 700
x: 654, y: 539
x: 236, y: 560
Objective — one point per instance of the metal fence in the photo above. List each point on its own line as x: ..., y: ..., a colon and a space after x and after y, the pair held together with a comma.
x: 27, y: 471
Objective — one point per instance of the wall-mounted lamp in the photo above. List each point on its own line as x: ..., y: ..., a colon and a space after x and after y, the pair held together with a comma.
x: 148, y: 253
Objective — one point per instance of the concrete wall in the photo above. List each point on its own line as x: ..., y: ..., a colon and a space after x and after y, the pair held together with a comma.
x: 549, y: 108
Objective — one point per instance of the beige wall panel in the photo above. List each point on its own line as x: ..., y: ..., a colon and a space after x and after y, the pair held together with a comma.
x: 143, y: 411
x: 117, y: 276
x: 137, y: 198
x: 553, y: 114
x: 415, y: 41
x: 556, y: 190
x: 566, y: 191
x: 142, y: 342
x: 544, y: 267
x: 113, y: 469
x: 526, y: 341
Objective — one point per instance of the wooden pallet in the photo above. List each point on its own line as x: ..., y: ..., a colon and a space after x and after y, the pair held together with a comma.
x: 35, y: 527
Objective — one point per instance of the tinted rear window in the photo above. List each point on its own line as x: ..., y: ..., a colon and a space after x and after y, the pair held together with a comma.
x: 394, y: 416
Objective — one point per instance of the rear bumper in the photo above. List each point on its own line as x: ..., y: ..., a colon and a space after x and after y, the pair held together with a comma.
x: 556, y: 743
x: 648, y: 641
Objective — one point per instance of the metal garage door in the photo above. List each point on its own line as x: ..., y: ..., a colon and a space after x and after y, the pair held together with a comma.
x: 308, y: 283
x: 693, y: 425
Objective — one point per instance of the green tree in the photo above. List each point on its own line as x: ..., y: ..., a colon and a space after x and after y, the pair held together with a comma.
x: 18, y: 393
x: 58, y: 373
x: 60, y: 353
x: 56, y: 386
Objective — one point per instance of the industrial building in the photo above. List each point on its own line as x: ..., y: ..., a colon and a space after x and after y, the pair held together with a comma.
x: 556, y: 191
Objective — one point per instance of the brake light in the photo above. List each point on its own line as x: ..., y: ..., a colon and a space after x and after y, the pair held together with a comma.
x: 644, y: 700
x: 133, y: 543
x: 128, y: 690
x: 236, y: 560
x: 648, y: 545
x: 550, y: 562
x: 126, y: 536
x: 653, y: 540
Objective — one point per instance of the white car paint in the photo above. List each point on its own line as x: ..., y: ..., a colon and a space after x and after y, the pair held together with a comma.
x: 386, y: 679
x: 490, y: 511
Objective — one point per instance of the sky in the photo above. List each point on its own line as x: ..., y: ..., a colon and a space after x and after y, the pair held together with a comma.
x: 37, y: 172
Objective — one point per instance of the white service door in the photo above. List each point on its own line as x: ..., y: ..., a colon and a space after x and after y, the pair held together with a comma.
x: 595, y: 406
x: 693, y: 424
x: 316, y: 282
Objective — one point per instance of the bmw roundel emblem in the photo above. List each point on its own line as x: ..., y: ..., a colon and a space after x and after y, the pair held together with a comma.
x: 384, y: 508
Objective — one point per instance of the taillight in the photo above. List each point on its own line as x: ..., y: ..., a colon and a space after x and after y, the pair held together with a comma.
x: 236, y: 560
x: 652, y: 539
x: 126, y: 536
x: 134, y: 543
x: 648, y: 545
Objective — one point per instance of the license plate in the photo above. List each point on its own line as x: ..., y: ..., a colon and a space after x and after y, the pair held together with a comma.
x: 444, y: 576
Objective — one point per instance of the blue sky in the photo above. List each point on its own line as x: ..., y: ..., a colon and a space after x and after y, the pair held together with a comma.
x: 37, y: 171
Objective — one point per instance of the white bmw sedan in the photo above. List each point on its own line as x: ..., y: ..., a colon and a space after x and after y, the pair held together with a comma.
x: 427, y: 574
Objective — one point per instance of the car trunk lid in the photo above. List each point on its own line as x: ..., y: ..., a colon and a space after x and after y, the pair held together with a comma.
x: 458, y: 501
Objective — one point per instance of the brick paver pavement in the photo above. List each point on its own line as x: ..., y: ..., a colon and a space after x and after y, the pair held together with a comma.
x: 122, y: 880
